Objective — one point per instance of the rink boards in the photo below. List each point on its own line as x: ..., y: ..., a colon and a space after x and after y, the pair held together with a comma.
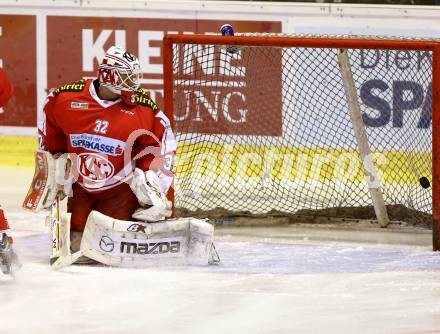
x: 298, y: 163
x: 229, y: 173
x: 17, y: 151
x: 257, y: 162
x: 260, y: 179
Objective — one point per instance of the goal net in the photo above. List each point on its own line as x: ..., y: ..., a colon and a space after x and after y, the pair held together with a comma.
x: 295, y: 127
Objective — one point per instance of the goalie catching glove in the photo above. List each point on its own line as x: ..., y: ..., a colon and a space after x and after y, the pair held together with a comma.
x: 148, y: 190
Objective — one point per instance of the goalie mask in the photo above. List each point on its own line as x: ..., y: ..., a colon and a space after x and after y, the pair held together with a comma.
x: 119, y: 71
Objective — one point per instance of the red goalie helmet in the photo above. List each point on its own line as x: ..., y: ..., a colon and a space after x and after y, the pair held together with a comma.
x: 119, y: 71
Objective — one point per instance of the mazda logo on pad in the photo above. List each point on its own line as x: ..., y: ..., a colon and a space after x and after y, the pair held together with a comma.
x: 106, y: 244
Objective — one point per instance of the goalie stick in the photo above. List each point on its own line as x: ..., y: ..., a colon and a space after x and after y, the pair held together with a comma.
x: 54, y: 222
x: 60, y: 237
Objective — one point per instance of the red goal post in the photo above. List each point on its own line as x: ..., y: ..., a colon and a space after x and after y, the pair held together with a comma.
x: 197, y: 83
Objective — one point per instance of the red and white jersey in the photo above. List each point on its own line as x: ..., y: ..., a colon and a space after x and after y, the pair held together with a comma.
x: 3, y: 221
x: 103, y: 137
x: 6, y: 88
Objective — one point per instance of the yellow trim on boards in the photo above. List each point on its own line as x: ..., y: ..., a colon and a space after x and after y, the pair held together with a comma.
x: 17, y: 151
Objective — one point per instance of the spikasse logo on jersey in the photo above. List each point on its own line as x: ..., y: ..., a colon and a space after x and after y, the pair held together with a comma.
x: 97, y: 143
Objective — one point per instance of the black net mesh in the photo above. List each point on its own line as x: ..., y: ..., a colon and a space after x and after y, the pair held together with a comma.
x: 268, y: 131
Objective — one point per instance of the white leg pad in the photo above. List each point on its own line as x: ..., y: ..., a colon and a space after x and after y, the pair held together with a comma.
x: 136, y: 244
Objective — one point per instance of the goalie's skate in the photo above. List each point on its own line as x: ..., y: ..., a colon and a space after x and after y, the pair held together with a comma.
x: 8, y: 258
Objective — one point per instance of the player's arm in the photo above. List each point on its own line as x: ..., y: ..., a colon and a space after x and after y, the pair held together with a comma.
x: 53, y: 174
x: 153, y: 175
x: 51, y: 136
x: 161, y: 160
x: 6, y: 88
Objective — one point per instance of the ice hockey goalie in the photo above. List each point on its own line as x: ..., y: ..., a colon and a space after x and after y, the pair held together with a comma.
x: 120, y: 149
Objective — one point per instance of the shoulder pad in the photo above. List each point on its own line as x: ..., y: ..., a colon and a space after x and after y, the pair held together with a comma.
x: 73, y: 87
x: 142, y: 98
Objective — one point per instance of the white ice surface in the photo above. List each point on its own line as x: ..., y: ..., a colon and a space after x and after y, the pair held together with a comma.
x: 285, y: 280
x: 260, y: 287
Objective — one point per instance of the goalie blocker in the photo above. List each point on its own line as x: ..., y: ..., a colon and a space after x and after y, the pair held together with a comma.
x: 135, y: 244
x: 53, y: 177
